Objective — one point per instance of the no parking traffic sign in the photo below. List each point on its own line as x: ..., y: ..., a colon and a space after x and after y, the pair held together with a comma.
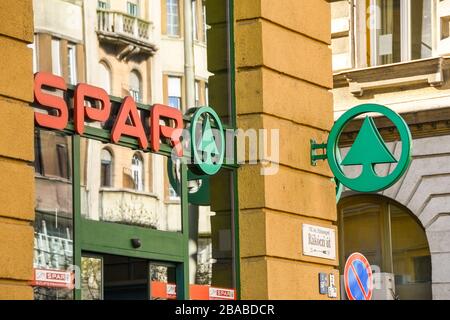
x: 358, y: 279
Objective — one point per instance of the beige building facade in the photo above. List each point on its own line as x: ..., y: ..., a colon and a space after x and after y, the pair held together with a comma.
x: 395, y: 53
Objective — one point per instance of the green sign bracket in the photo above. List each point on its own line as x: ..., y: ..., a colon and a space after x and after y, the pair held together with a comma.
x: 315, y: 148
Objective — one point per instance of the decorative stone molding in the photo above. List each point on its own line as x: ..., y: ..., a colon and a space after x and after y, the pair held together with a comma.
x: 423, y: 124
x: 425, y: 71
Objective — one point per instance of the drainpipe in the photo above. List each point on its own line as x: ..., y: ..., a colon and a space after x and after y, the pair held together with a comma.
x: 189, y: 73
x: 189, y: 76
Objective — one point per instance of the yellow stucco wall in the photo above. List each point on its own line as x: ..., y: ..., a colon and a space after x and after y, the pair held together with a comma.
x: 16, y: 149
x: 283, y: 81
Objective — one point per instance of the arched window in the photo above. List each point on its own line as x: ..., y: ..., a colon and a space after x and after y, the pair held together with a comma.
x: 105, y: 77
x: 137, y: 170
x: 135, y: 86
x: 106, y: 168
x: 392, y: 239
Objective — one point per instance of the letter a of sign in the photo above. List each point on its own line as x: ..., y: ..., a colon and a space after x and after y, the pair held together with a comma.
x: 136, y: 129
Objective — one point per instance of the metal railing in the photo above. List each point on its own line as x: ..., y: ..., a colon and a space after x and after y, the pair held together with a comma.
x: 52, y: 251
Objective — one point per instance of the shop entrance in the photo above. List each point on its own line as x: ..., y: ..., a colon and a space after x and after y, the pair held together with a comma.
x: 393, y: 240
x: 113, y: 277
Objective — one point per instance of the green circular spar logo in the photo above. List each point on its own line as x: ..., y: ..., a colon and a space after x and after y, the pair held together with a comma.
x: 368, y: 150
x: 207, y: 144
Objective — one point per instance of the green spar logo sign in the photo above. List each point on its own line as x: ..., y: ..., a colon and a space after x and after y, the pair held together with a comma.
x: 368, y: 150
x: 207, y: 148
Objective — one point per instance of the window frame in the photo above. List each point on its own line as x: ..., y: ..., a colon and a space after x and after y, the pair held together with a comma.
x: 197, y: 94
x: 103, y: 4
x: 173, y: 15
x: 72, y: 76
x: 137, y: 172
x: 195, y: 29
x: 56, y: 56
x: 133, y: 8
x: 104, y: 64
x: 368, y: 57
x: 110, y: 169
x: 179, y: 98
x: 204, y: 23
x: 136, y: 93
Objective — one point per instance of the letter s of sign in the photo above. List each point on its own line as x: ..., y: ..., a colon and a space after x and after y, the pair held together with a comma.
x: 81, y: 92
x: 158, y: 112
x: 58, y: 122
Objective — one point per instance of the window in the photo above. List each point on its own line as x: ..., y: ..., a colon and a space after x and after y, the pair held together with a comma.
x: 34, y: 47
x: 421, y: 42
x: 211, y: 235
x: 173, y: 18
x: 205, y: 26
x: 56, y: 162
x: 174, y: 90
x: 398, y: 30
x: 38, y: 167
x: 197, y: 93
x: 105, y: 77
x: 135, y: 86
x: 72, y: 64
x: 56, y: 57
x: 194, y: 20
x: 63, y: 160
x: 391, y: 238
x: 206, y: 94
x: 173, y: 194
x: 102, y: 5
x: 116, y: 187
x: 137, y: 171
x: 53, y: 223
x: 106, y: 168
x: 132, y: 8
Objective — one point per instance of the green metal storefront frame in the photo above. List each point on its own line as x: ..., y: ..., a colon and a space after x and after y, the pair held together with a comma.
x: 235, y: 193
x: 111, y: 238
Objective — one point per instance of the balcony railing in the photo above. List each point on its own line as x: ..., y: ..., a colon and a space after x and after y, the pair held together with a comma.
x: 122, y: 28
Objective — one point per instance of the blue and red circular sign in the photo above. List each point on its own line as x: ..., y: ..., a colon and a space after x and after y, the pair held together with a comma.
x: 358, y: 279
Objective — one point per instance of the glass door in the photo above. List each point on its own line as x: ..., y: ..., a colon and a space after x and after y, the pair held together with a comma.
x: 114, y: 277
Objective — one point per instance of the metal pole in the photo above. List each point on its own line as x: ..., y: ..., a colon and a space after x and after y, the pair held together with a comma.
x: 189, y: 76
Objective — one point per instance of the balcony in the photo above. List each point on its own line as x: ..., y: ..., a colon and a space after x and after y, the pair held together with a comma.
x: 129, y: 35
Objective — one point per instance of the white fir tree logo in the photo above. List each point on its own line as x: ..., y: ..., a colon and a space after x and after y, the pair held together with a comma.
x: 368, y: 150
x: 207, y: 144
